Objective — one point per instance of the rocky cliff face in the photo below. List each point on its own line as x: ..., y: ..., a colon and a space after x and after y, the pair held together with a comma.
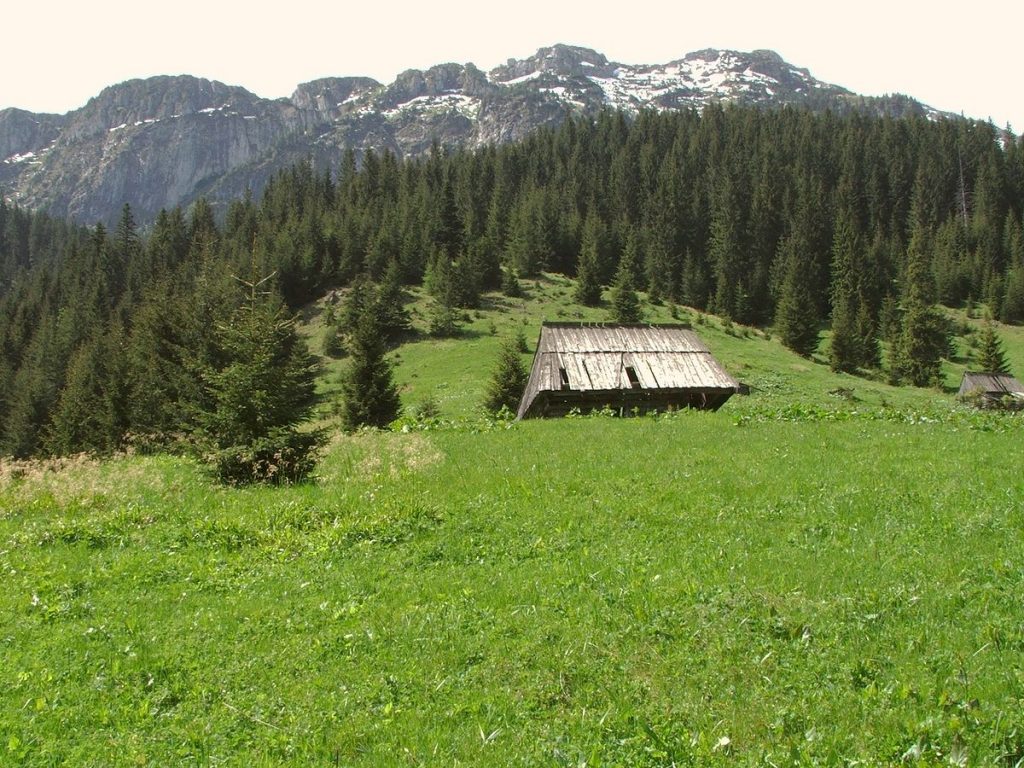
x: 164, y: 141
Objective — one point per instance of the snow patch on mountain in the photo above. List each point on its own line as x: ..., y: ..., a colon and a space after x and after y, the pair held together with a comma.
x: 20, y: 158
x: 699, y: 79
x: 452, y: 101
x: 515, y: 80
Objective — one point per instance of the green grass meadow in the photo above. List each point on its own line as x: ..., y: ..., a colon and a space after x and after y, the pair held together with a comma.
x: 827, y: 572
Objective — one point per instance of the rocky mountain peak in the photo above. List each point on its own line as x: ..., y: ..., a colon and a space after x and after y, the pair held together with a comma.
x: 560, y: 61
x: 437, y: 81
x: 24, y: 132
x: 154, y: 99
x: 163, y: 141
x: 568, y: 59
x: 328, y: 96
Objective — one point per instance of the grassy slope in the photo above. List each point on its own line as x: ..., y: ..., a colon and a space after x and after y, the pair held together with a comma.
x: 758, y: 584
x: 455, y: 371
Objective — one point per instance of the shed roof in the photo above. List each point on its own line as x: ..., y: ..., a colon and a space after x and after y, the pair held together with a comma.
x: 583, y: 362
x: 992, y: 384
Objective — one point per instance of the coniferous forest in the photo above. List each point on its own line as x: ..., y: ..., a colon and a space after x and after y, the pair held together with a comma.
x: 783, y: 219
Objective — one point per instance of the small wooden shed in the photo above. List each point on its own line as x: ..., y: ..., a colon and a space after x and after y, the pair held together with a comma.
x: 991, y: 388
x: 629, y: 368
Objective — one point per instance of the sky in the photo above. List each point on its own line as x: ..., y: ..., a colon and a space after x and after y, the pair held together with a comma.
x: 59, y: 54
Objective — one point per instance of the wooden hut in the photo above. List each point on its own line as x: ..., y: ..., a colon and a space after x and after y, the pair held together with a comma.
x: 992, y: 388
x: 629, y: 368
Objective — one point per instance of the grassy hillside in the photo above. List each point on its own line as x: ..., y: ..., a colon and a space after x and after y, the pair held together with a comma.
x: 454, y: 372
x: 800, y: 578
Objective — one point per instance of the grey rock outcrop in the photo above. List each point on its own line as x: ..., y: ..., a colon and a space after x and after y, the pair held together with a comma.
x: 164, y: 141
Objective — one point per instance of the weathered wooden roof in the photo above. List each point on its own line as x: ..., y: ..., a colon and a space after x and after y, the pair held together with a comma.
x: 583, y: 338
x: 589, y: 358
x: 993, y: 384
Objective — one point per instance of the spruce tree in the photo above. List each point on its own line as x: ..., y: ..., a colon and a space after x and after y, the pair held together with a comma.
x: 91, y: 414
x: 508, y: 380
x: 369, y: 395
x: 510, y: 285
x: 390, y: 305
x: 168, y: 243
x: 844, y: 354
x: 922, y: 340
x: 162, y: 390
x: 725, y: 249
x: 452, y: 282
x: 916, y: 355
x: 1012, y: 309
x: 361, y: 296
x: 695, y: 282
x: 442, y: 282
x: 890, y: 319
x: 796, y: 317
x: 259, y: 396
x: 203, y: 235
x: 34, y: 391
x: 626, y: 307
x: 867, y: 336
x: 991, y: 356
x: 6, y: 383
x: 589, y: 266
x: 631, y: 259
x: 128, y: 246
x: 844, y: 349
x: 952, y: 277
x: 588, y: 281
x: 448, y: 229
x: 529, y: 244
x: 443, y: 320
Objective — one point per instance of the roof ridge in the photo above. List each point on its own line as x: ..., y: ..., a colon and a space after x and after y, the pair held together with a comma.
x: 600, y: 324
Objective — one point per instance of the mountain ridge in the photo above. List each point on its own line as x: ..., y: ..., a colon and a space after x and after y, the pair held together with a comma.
x: 163, y: 141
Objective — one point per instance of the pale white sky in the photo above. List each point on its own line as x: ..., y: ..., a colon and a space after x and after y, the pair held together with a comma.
x: 57, y: 55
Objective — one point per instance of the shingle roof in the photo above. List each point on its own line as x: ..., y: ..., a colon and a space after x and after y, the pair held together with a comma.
x: 576, y: 357
x: 994, y: 384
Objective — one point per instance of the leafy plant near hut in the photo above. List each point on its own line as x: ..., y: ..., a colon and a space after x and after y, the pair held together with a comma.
x: 444, y: 320
x: 991, y: 356
x: 510, y: 285
x: 508, y: 380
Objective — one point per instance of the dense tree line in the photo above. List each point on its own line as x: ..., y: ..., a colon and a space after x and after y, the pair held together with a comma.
x: 28, y: 242
x: 775, y: 218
